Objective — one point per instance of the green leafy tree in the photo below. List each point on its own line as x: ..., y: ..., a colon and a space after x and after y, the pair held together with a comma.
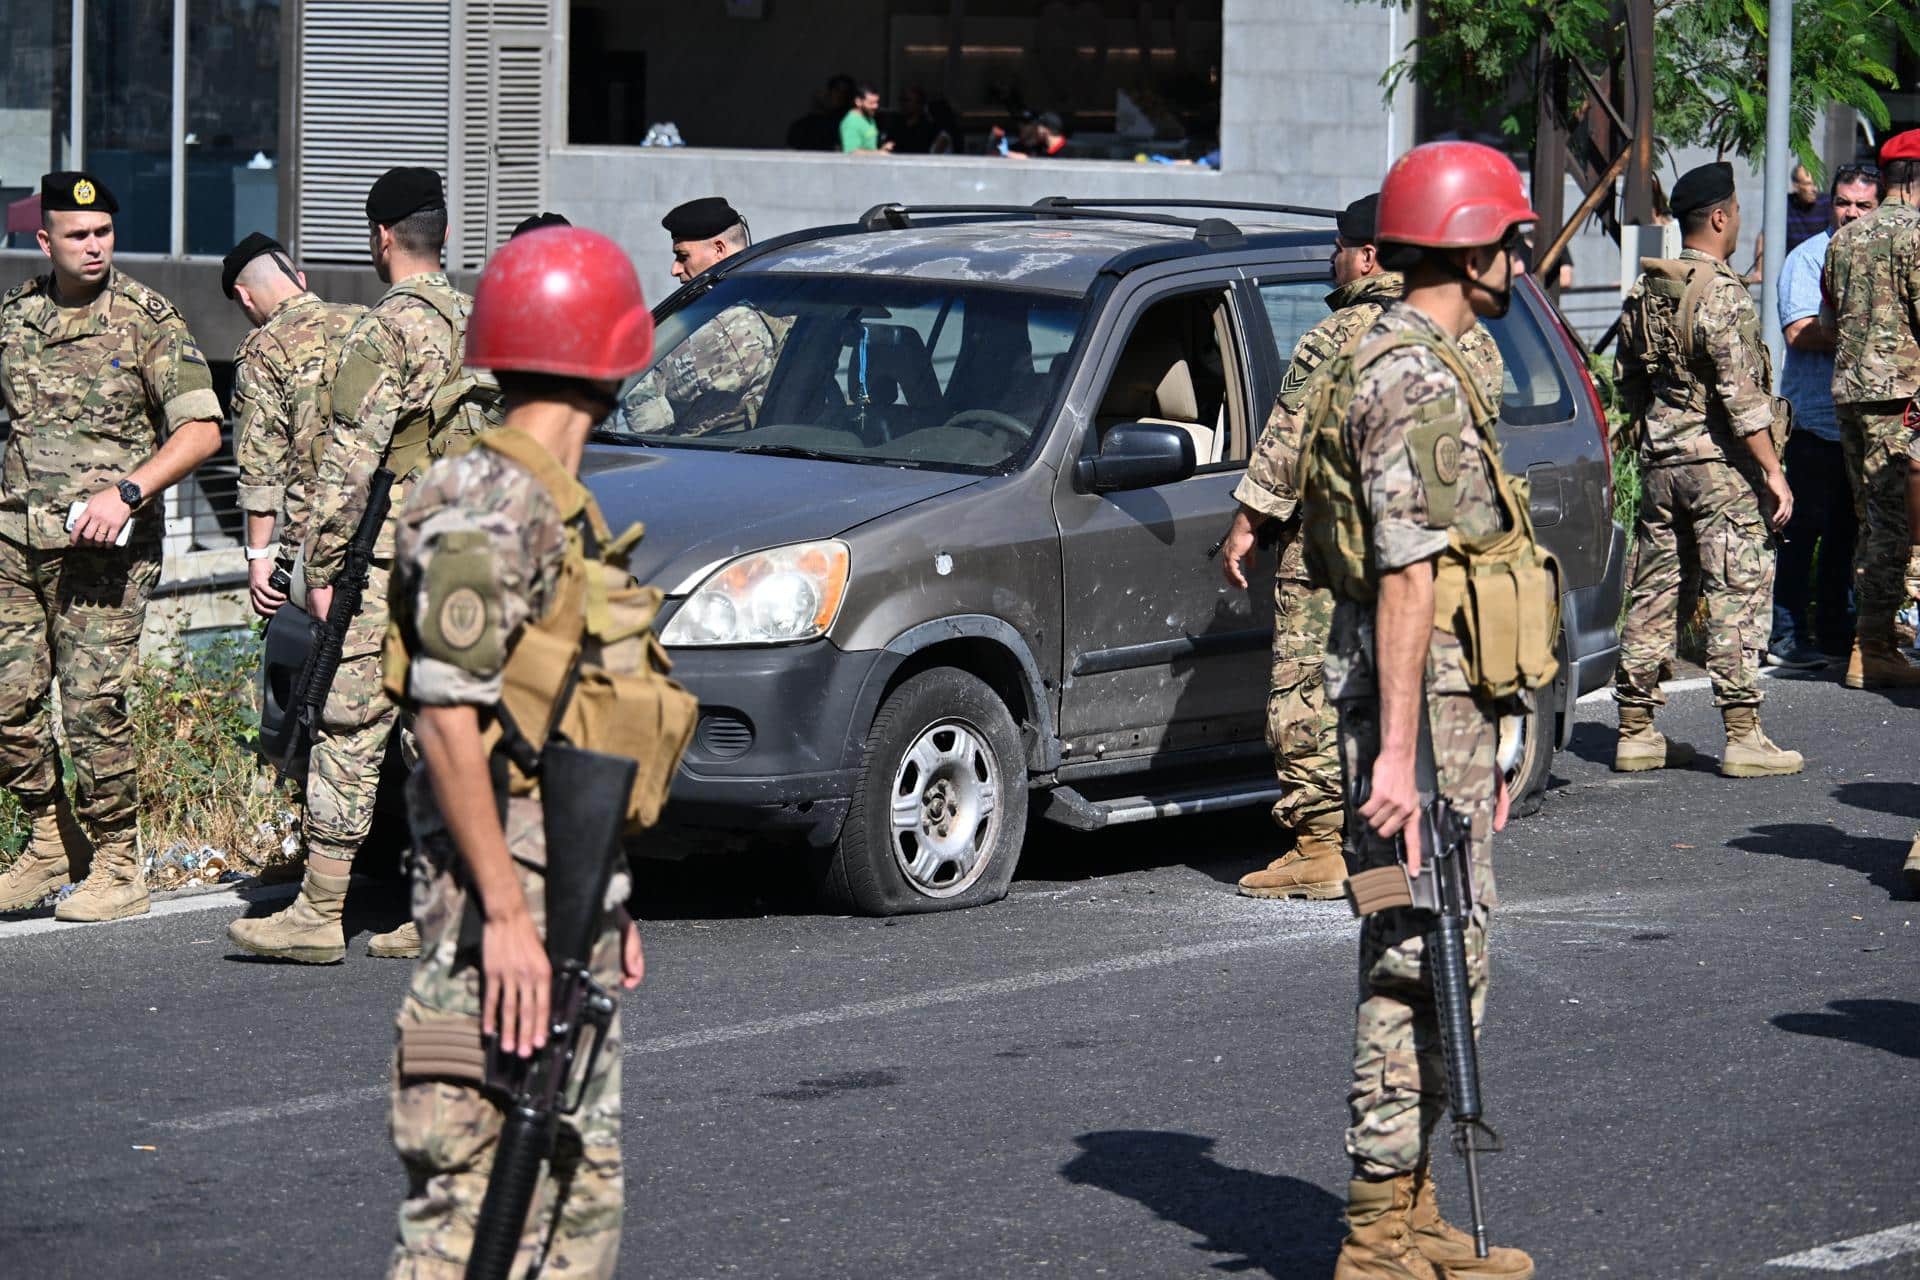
x: 1710, y: 75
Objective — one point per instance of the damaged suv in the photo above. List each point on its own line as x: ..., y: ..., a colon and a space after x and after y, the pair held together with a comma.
x: 932, y: 499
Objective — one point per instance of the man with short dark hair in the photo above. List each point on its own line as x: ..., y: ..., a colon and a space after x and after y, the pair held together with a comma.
x: 703, y: 232
x: 1816, y: 467
x: 111, y: 403
x: 859, y: 131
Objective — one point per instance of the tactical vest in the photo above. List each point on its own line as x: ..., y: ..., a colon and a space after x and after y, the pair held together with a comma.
x: 590, y: 670
x: 1499, y: 593
x: 1672, y: 350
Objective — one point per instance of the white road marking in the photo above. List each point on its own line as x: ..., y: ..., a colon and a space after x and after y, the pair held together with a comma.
x: 163, y: 907
x: 1861, y: 1251
x: 1339, y: 929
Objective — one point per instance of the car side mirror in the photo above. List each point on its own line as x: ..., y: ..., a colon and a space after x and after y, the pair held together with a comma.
x: 1137, y: 455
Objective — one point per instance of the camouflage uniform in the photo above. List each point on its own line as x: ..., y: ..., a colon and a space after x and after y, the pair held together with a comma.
x: 1699, y: 483
x: 714, y: 381
x: 393, y: 363
x: 1301, y: 727
x: 481, y: 523
x: 277, y: 375
x: 92, y: 392
x: 1399, y: 1087
x: 1872, y: 277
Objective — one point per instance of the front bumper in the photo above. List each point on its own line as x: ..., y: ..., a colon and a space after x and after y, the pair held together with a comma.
x: 778, y: 744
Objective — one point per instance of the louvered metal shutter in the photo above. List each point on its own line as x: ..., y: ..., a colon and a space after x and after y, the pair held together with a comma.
x: 500, y: 133
x: 375, y: 92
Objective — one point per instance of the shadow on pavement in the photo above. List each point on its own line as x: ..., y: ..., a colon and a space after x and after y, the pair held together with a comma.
x: 1224, y: 846
x: 1257, y: 1222
x: 1893, y: 1025
x: 1901, y: 799
x: 1594, y: 743
x: 1877, y: 859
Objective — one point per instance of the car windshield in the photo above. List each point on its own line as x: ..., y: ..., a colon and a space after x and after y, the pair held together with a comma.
x: 857, y: 369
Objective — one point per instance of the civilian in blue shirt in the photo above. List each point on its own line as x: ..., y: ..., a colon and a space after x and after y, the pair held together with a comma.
x: 1813, y: 619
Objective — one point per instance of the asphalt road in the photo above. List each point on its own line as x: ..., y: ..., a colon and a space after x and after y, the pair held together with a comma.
x: 1703, y: 1049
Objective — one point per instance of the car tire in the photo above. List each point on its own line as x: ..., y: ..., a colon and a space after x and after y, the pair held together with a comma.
x: 939, y: 811
x: 1527, y: 783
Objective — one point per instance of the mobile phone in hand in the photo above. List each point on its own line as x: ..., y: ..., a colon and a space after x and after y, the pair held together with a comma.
x: 79, y: 508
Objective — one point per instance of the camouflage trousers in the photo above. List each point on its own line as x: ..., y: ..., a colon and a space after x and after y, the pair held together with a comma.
x: 1715, y: 508
x: 74, y: 615
x: 1302, y: 730
x: 1399, y: 1087
x: 1875, y: 444
x: 343, y: 773
x: 446, y: 1130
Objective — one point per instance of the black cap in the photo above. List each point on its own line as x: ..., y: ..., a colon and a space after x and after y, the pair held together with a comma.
x: 539, y: 220
x: 1707, y: 185
x: 74, y: 190
x: 400, y: 193
x: 1051, y: 122
x: 241, y: 254
x: 701, y: 219
x: 1357, y: 221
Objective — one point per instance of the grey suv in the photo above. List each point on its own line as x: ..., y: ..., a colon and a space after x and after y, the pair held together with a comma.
x: 932, y: 497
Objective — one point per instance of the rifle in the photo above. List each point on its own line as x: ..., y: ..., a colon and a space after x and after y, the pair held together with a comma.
x: 584, y: 798
x: 1443, y: 890
x: 328, y: 635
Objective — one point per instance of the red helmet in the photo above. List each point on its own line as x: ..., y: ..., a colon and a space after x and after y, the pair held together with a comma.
x: 560, y: 300
x: 1451, y: 195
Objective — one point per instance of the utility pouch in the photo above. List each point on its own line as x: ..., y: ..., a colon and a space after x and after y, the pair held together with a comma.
x: 1381, y: 889
x: 443, y: 1047
x: 645, y: 718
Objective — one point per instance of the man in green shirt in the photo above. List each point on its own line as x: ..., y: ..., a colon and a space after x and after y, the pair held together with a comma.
x: 858, y: 132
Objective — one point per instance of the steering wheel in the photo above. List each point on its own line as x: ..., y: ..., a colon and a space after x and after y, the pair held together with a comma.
x: 1006, y: 422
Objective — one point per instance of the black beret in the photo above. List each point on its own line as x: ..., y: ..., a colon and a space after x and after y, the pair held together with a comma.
x: 400, y: 193
x: 1707, y: 185
x: 1358, y: 220
x: 701, y: 219
x: 240, y: 255
x: 71, y: 189
x: 536, y: 221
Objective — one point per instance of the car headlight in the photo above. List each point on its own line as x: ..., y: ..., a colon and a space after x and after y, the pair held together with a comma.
x: 768, y: 597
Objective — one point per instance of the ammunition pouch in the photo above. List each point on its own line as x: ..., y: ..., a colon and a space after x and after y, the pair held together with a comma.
x: 443, y: 1047
x: 1502, y: 598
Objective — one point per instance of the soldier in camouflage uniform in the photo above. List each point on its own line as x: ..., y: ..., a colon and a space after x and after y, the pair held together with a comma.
x: 111, y: 402
x: 1696, y: 383
x: 276, y: 404
x: 717, y: 378
x: 1870, y: 268
x: 1415, y: 441
x: 480, y: 554
x: 1301, y: 727
x: 397, y: 398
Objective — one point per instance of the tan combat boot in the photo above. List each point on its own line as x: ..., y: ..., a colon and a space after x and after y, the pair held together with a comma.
x: 308, y: 932
x: 56, y: 855
x: 1380, y: 1240
x: 1641, y: 746
x: 1314, y: 868
x: 1912, y: 870
x: 1876, y: 664
x: 396, y: 944
x: 1450, y: 1249
x: 114, y: 888
x: 1750, y: 753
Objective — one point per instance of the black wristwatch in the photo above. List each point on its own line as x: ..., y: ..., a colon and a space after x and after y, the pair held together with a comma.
x: 130, y: 493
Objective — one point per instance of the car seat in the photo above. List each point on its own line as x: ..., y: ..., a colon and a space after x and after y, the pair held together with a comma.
x: 1154, y: 383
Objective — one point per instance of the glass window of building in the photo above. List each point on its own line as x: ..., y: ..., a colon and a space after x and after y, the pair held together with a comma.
x: 233, y: 121
x: 35, y: 134
x: 128, y: 116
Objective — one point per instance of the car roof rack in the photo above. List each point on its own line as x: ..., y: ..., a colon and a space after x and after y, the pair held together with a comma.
x: 1253, y: 206
x: 1215, y: 233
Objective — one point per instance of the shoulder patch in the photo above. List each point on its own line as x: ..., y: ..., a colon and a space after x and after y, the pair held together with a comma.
x: 28, y: 288
x: 1435, y: 448
x: 458, y: 625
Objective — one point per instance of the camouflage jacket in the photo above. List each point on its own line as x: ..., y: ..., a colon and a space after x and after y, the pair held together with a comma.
x: 1411, y: 430
x: 392, y: 362
x: 91, y: 391
x: 1268, y: 486
x: 1872, y: 280
x: 276, y: 407
x: 1694, y: 407
x: 714, y: 381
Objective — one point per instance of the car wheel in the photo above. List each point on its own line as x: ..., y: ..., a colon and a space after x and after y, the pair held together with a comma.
x: 940, y: 809
x: 1527, y: 780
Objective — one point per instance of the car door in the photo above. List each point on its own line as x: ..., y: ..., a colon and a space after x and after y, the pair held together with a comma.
x: 1158, y: 653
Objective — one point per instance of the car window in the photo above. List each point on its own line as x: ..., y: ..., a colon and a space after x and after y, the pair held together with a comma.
x: 855, y: 368
x: 1179, y: 367
x: 1533, y: 392
x: 1293, y: 307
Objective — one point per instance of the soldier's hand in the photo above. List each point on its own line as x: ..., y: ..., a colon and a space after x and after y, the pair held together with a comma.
x: 100, y: 523
x: 633, y: 961
x: 518, y: 984
x: 1782, y: 500
x: 1235, y: 549
x: 266, y: 601
x: 1393, y: 804
x: 319, y: 601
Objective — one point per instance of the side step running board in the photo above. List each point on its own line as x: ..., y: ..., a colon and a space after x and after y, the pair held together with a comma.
x: 1069, y: 808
